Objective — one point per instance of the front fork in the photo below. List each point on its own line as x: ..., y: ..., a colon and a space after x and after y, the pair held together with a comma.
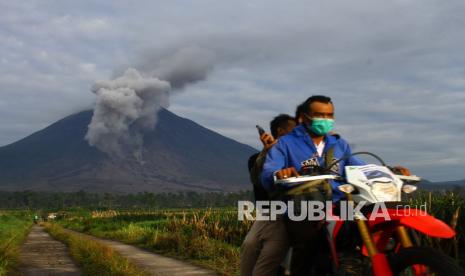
x: 403, y: 236
x: 379, y: 261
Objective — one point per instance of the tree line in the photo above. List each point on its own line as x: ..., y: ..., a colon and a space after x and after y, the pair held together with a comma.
x: 145, y: 200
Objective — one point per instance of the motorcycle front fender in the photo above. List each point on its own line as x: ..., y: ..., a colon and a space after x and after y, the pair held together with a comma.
x: 429, y: 225
x: 418, y: 220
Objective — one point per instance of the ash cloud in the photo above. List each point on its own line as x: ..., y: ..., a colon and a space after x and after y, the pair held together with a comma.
x: 188, y: 65
x: 127, y: 106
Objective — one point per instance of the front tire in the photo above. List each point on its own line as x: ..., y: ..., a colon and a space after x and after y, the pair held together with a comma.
x: 436, y: 263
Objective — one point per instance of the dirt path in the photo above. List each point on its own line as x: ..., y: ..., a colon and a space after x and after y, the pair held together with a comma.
x: 42, y: 255
x: 152, y: 263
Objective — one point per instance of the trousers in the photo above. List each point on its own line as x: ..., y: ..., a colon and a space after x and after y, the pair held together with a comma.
x: 264, y: 248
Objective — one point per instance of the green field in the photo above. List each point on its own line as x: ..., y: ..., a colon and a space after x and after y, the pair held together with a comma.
x: 14, y: 225
x: 177, y: 233
x: 218, y: 233
x: 450, y: 208
x: 210, y: 237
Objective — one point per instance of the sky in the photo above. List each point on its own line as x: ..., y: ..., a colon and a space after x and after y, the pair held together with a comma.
x: 394, y: 69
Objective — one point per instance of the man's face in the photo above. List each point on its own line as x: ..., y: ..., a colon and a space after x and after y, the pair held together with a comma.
x: 283, y: 131
x: 320, y: 110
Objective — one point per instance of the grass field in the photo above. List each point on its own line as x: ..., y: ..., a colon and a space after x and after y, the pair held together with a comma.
x: 212, y: 237
x: 14, y: 225
x: 450, y: 208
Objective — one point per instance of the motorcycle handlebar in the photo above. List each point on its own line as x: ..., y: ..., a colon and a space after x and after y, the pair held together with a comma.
x: 409, y: 177
x: 305, y: 178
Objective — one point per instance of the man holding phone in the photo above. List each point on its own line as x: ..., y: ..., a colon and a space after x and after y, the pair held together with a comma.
x: 307, y: 146
x: 266, y: 244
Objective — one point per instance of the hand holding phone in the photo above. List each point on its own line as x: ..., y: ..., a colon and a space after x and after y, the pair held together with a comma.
x: 260, y: 130
x: 267, y: 139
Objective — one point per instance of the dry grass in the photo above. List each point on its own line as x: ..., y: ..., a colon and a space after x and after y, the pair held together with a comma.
x: 94, y: 257
x: 210, y: 238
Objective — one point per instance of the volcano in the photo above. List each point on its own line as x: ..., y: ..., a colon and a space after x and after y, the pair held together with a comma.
x: 178, y: 155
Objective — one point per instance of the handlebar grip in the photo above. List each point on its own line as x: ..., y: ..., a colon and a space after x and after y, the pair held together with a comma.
x: 408, y: 177
x: 305, y: 178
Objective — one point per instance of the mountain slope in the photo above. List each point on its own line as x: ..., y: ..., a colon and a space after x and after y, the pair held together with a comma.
x: 178, y: 155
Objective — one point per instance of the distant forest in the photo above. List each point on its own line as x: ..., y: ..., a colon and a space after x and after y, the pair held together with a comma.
x: 60, y: 201
x: 104, y: 201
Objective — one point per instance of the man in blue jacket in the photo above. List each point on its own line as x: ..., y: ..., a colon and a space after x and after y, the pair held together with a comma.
x: 307, y: 145
x: 305, y: 148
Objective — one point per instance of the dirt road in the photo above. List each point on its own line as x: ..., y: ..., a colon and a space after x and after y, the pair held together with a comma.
x: 42, y: 255
x: 152, y: 263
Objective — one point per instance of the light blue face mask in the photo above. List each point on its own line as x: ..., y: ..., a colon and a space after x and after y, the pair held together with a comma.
x: 321, y: 126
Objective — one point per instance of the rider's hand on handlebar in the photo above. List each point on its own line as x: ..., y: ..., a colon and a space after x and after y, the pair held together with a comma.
x: 286, y: 173
x: 267, y: 140
x: 401, y: 170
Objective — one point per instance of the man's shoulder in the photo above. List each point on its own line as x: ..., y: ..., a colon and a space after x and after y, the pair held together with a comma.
x: 298, y: 133
x: 251, y: 161
x: 291, y: 138
x: 337, y: 139
x: 254, y: 156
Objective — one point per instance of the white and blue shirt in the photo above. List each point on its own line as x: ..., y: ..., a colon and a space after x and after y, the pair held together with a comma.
x: 297, y: 150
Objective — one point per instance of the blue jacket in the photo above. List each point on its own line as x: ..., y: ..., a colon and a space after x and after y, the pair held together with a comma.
x: 297, y: 150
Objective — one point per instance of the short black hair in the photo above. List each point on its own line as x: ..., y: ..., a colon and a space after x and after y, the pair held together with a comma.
x: 299, y: 110
x: 312, y: 99
x: 280, y: 121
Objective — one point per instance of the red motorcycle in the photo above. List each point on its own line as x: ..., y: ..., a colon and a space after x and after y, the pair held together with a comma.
x: 379, y: 231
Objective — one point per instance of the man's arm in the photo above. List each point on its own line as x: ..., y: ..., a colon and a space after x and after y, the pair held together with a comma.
x: 268, y: 141
x: 275, y: 161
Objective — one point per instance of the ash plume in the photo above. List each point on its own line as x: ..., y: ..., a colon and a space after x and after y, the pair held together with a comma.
x: 127, y: 106
x: 185, y: 66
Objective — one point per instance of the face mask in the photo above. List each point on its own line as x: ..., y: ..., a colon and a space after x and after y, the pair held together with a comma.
x: 321, y: 126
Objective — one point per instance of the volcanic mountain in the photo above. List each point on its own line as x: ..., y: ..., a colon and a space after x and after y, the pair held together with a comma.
x: 178, y: 155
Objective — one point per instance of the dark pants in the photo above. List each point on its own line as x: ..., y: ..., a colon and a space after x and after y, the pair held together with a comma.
x: 310, y: 253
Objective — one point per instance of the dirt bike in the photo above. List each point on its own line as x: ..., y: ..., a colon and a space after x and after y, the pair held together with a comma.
x: 384, y: 243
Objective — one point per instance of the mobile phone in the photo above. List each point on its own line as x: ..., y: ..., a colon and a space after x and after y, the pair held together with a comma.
x: 260, y: 130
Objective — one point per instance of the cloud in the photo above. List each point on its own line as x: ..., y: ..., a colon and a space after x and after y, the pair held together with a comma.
x: 394, y: 69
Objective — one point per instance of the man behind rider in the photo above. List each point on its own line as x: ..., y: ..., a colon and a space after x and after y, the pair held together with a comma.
x: 305, y: 147
x: 266, y: 244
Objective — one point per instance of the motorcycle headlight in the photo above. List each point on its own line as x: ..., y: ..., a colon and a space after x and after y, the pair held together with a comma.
x: 385, y: 191
x: 408, y: 189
